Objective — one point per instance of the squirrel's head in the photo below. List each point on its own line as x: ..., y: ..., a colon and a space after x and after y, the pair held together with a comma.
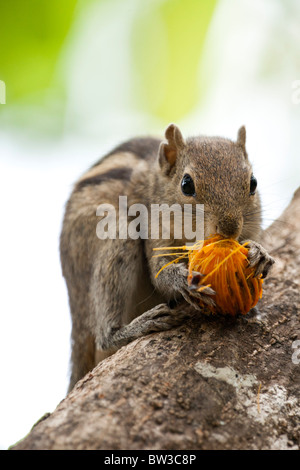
x: 216, y: 172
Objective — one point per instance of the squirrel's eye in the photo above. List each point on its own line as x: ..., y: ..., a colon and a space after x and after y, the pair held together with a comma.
x: 253, y: 185
x: 187, y: 186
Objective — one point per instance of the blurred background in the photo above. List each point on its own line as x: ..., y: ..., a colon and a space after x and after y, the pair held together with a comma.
x: 78, y: 77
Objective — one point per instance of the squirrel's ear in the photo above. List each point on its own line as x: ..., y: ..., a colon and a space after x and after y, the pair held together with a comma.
x: 168, y: 152
x: 241, y: 138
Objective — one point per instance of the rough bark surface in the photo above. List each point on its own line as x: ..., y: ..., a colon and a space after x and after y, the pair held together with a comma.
x: 213, y: 383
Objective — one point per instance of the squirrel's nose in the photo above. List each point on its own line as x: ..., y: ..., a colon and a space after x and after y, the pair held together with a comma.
x: 229, y: 226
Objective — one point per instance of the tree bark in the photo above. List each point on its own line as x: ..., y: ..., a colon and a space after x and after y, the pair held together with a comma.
x: 212, y: 383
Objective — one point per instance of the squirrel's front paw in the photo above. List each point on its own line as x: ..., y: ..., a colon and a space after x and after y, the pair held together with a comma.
x: 259, y: 258
x: 190, y: 292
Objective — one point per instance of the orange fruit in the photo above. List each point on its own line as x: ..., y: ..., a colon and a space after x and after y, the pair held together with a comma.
x: 225, y: 267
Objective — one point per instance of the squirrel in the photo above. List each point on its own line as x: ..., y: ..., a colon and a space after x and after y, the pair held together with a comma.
x: 114, y: 293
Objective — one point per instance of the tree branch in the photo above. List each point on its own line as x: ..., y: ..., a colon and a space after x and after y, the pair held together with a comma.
x: 213, y: 383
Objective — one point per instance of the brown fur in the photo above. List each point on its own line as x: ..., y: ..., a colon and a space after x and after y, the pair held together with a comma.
x: 113, y: 292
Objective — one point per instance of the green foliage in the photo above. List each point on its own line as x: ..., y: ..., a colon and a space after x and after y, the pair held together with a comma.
x: 167, y: 43
x: 31, y: 36
x: 167, y: 39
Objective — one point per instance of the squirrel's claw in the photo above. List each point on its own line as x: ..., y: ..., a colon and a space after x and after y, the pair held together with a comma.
x: 259, y: 258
